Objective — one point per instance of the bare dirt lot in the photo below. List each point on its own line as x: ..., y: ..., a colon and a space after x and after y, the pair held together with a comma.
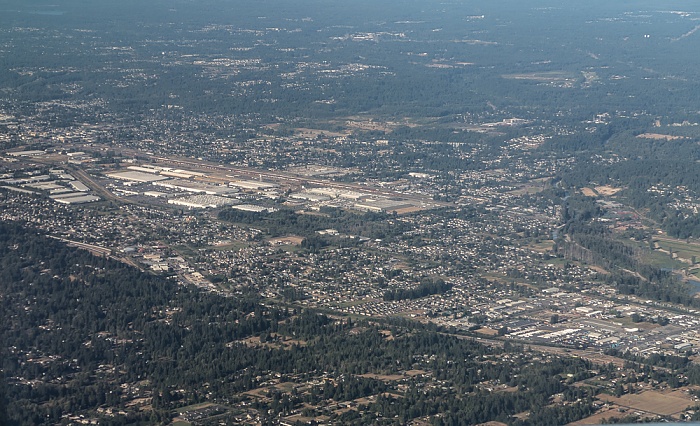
x: 290, y: 239
x: 363, y: 123
x: 597, y: 418
x: 312, y: 133
x: 588, y: 192
x: 652, y: 402
x: 487, y: 331
x: 659, y: 136
x: 542, y: 76
x: 606, y: 190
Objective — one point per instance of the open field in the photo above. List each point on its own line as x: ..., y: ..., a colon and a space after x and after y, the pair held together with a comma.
x: 684, y: 250
x: 588, y: 192
x: 289, y: 240
x: 393, y: 377
x: 606, y: 190
x: 487, y: 331
x: 305, y: 420
x: 278, y: 342
x: 543, y: 246
x: 231, y: 245
x: 527, y: 189
x: 365, y: 124
x: 542, y: 76
x: 382, y: 377
x: 313, y: 133
x: 651, y: 402
x: 262, y: 392
x: 659, y: 136
x: 194, y: 407
x: 597, y: 418
x: 659, y: 258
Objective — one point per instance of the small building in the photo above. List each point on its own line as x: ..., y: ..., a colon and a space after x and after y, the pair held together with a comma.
x: 681, y: 347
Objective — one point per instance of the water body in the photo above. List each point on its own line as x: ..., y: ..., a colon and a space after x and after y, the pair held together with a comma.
x: 694, y: 286
x: 34, y: 12
x: 47, y: 12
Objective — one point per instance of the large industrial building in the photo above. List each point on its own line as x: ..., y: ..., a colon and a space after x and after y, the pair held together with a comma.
x: 203, y: 201
x: 196, y: 187
x: 80, y: 198
x: 254, y: 208
x: 135, y: 176
x: 383, y: 205
x: 253, y: 184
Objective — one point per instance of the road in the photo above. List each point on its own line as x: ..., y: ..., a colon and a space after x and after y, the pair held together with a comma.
x: 587, y: 354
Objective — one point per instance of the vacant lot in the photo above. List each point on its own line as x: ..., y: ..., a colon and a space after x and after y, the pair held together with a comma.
x: 487, y: 331
x: 290, y: 239
x: 313, y: 133
x: 588, y: 192
x: 607, y: 190
x: 542, y: 76
x: 660, y: 136
x: 543, y: 247
x: 685, y: 250
x: 651, y: 402
x: 382, y: 377
x: 597, y: 418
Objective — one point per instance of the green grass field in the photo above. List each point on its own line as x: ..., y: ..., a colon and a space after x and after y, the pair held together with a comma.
x: 684, y: 250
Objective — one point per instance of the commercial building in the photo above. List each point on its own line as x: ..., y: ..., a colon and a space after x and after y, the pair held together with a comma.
x: 253, y: 208
x: 382, y: 205
x: 81, y: 199
x: 202, y: 201
x: 26, y: 153
x: 253, y: 184
x: 135, y: 176
x: 309, y: 196
x: 196, y: 187
x: 79, y: 186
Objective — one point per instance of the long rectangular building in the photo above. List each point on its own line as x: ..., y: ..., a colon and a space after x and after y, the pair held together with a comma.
x: 203, y: 201
x: 78, y: 200
x: 197, y: 187
x: 135, y: 176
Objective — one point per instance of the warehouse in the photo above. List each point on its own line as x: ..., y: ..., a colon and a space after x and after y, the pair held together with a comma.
x: 309, y: 196
x: 382, y: 205
x: 79, y: 186
x: 253, y: 184
x: 253, y: 208
x: 134, y: 176
x: 82, y: 199
x: 197, y: 187
x: 143, y: 169
x: 26, y: 153
x: 202, y: 201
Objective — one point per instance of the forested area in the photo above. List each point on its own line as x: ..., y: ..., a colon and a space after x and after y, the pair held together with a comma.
x: 84, y: 332
x: 658, y: 176
x: 426, y: 287
x: 594, y: 243
x: 482, y: 49
x: 498, y: 107
x: 286, y: 222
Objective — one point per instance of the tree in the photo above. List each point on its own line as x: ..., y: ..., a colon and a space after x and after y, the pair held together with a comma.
x: 619, y: 390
